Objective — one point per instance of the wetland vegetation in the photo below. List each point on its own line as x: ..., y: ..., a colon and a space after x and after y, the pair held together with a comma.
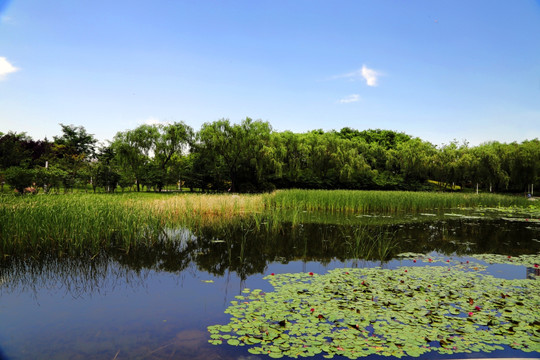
x: 351, y: 271
x: 179, y: 260
x: 86, y: 223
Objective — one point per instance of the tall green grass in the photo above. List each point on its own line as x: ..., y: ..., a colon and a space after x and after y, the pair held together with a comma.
x: 371, y: 245
x: 75, y: 222
x: 383, y: 201
x: 89, y: 223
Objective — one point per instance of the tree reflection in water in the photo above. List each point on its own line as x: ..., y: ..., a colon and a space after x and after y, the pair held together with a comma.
x: 247, y: 248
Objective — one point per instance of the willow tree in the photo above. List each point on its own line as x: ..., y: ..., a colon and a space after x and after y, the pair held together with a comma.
x: 235, y: 154
x: 146, y: 151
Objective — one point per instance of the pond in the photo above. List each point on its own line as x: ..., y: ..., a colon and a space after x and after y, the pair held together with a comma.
x: 158, y: 302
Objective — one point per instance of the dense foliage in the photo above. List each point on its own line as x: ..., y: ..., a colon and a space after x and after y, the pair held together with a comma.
x: 251, y: 157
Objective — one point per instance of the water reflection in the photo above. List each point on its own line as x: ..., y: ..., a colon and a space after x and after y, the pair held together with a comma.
x: 533, y: 273
x: 154, y: 302
x: 246, y: 248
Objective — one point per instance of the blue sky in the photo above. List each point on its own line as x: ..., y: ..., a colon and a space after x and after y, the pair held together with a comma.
x: 438, y: 70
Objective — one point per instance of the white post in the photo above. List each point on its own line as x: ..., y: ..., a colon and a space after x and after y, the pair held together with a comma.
x: 45, y: 185
x: 476, y: 188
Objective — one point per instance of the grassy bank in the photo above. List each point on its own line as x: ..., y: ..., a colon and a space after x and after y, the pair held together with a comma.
x: 89, y: 223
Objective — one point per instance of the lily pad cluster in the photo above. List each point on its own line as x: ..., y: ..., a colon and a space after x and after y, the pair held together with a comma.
x: 532, y: 260
x: 433, y: 259
x: 408, y: 311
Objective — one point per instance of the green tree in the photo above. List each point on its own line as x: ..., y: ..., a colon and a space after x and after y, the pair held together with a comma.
x: 146, y: 152
x: 21, y: 150
x: 490, y: 172
x: 132, y: 149
x: 76, y: 140
x: 20, y: 178
x: 289, y: 157
x: 235, y: 154
x: 524, y: 165
x: 72, y: 152
x: 445, y: 164
x: 50, y: 178
x: 104, y: 172
x: 172, y: 144
x: 413, y: 159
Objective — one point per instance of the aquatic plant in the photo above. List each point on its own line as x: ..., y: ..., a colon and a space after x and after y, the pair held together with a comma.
x: 527, y: 260
x: 89, y: 222
x: 409, y: 311
x: 367, y: 244
x: 383, y: 201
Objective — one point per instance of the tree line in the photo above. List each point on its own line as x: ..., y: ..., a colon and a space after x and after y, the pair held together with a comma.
x: 251, y: 157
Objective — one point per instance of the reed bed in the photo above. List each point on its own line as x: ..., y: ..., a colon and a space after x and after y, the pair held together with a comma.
x: 89, y: 223
x: 72, y: 223
x: 203, y: 209
x: 384, y: 201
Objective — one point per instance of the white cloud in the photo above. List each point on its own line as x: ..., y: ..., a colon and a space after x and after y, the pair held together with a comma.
x: 350, y: 99
x: 370, y: 76
x: 6, y: 68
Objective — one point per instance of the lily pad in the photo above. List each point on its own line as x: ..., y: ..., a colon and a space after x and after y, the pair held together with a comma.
x: 358, y: 312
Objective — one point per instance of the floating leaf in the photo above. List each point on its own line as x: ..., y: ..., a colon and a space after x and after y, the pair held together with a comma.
x: 358, y: 312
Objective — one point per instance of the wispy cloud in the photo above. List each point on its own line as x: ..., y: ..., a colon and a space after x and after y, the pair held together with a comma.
x: 370, y: 76
x: 6, y: 68
x: 350, y: 99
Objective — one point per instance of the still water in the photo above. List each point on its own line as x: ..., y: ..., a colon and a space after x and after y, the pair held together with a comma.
x: 156, y: 303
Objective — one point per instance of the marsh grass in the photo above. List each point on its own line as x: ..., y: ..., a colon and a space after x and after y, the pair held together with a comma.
x: 202, y: 209
x: 73, y: 223
x: 384, y: 201
x: 89, y: 223
x: 379, y: 244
